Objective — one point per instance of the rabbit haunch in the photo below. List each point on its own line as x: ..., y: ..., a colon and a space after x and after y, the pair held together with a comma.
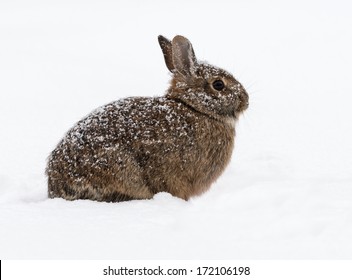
x: 136, y: 147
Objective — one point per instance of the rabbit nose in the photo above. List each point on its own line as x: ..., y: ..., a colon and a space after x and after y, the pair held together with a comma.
x: 243, y: 101
x: 245, y: 105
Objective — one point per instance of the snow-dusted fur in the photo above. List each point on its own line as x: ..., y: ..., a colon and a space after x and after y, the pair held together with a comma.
x: 136, y: 147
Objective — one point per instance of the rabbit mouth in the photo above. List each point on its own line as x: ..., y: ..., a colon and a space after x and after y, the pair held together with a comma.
x: 242, y: 102
x: 243, y: 105
x: 240, y: 108
x: 232, y: 111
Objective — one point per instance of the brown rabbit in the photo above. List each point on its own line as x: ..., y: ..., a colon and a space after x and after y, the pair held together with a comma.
x: 136, y: 147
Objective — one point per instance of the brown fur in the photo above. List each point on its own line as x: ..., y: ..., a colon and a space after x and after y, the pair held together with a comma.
x: 136, y: 147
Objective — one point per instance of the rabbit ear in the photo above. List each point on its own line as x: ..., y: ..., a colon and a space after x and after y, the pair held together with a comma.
x: 166, y: 47
x: 184, y: 59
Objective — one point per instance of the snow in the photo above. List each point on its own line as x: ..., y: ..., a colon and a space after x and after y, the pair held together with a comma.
x: 288, y: 190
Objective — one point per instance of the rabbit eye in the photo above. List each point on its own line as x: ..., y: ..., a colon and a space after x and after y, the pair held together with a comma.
x: 218, y: 85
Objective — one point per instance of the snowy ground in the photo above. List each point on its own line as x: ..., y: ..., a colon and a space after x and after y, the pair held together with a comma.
x: 288, y: 191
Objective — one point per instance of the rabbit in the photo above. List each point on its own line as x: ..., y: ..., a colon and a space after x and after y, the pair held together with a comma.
x: 133, y: 148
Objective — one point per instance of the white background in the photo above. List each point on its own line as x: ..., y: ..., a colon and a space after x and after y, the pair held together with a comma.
x: 288, y: 190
